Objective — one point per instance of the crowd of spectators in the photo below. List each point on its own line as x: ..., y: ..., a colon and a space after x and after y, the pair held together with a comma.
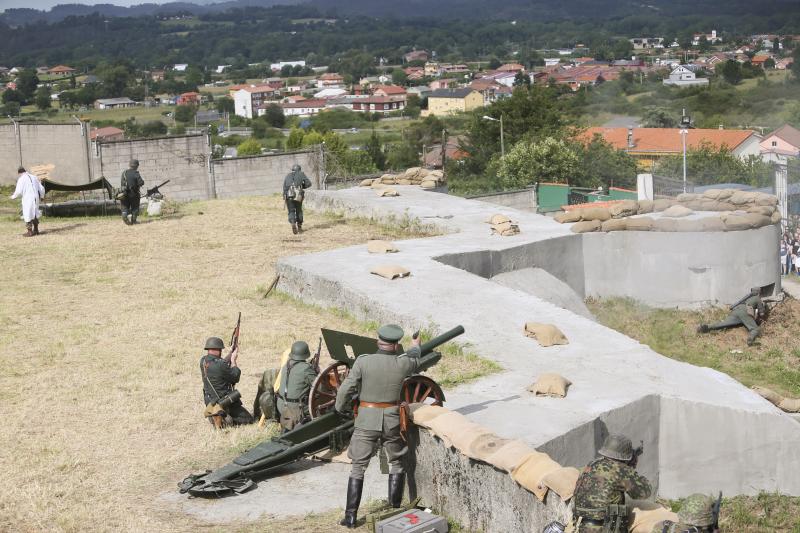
x: 790, y: 253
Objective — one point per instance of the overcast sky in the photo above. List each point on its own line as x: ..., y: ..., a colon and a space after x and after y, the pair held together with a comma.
x: 47, y: 4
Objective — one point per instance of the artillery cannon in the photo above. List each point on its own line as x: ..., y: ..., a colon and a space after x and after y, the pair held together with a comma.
x: 327, y: 428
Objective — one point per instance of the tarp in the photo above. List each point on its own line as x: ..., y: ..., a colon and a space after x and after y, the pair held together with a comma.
x: 102, y: 183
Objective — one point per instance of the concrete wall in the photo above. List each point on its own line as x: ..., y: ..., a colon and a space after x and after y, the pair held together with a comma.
x: 524, y: 200
x: 182, y: 160
x: 64, y: 145
x: 257, y: 175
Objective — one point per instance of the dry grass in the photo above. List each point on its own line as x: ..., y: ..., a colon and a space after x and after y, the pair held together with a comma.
x: 103, y: 326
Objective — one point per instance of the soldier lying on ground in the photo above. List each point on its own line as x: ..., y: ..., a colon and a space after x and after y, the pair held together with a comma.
x: 748, y: 312
x: 223, y: 402
x: 696, y: 516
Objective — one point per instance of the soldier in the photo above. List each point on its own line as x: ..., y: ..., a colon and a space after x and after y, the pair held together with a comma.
x: 130, y: 186
x: 297, y: 376
x: 605, y: 481
x: 377, y: 378
x: 294, y: 185
x: 31, y: 190
x: 747, y: 312
x: 219, y: 377
x: 696, y: 516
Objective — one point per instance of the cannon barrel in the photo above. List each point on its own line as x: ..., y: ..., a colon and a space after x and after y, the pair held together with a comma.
x: 428, y: 347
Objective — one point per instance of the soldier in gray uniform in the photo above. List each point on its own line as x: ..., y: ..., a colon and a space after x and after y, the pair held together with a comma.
x: 130, y: 186
x: 297, y: 376
x: 294, y: 185
x: 746, y: 312
x: 377, y: 379
x: 219, y: 379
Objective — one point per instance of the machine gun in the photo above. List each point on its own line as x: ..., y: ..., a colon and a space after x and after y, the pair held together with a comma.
x: 715, y: 513
x: 234, y: 344
x: 155, y: 191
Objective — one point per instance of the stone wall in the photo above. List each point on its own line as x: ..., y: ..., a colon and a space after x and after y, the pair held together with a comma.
x: 524, y: 200
x: 257, y: 175
x: 64, y: 145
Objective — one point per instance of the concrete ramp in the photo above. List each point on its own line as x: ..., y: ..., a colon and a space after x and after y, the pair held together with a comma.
x: 540, y: 283
x: 702, y: 430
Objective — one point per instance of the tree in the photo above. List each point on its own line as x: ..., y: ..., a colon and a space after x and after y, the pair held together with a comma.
x: 185, y: 113
x: 769, y: 63
x: 600, y: 164
x: 522, y: 80
x: 707, y: 165
x: 153, y: 128
x: 13, y: 95
x: 658, y: 117
x: 374, y: 148
x: 259, y: 128
x: 27, y: 80
x: 249, y: 147
x: 494, y: 63
x: 295, y: 140
x: 274, y: 116
x: 224, y: 105
x: 399, y: 77
x: 194, y: 77
x: 42, y: 98
x: 549, y: 160
x: 731, y: 71
x: 11, y: 108
x: 116, y: 79
x: 796, y: 63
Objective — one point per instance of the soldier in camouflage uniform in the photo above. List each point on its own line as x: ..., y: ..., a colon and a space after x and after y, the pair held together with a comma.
x: 378, y: 378
x: 745, y: 313
x: 130, y: 188
x: 696, y: 516
x: 219, y: 378
x: 605, y: 481
x: 294, y: 185
x: 297, y: 376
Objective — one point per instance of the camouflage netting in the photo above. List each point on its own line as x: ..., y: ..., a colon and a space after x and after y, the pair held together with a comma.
x: 427, y: 179
x: 734, y: 211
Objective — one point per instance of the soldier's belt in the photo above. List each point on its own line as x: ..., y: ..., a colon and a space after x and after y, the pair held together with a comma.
x: 378, y: 405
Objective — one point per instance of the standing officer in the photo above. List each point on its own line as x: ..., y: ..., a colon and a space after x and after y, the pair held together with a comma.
x: 297, y: 376
x: 377, y: 378
x: 696, y: 516
x: 294, y: 185
x: 605, y: 481
x: 219, y: 377
x: 746, y: 312
x: 130, y: 186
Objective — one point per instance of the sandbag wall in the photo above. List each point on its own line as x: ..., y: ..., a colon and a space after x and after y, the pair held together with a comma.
x: 427, y: 179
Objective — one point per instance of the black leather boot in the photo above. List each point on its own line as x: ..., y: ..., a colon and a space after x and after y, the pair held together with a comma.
x: 396, y: 484
x: 354, y: 487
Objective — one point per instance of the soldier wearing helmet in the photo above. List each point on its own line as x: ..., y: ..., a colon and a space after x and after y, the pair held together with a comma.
x: 130, y: 192
x: 605, y: 481
x: 296, y: 378
x: 749, y: 312
x: 294, y: 185
x: 219, y: 379
x: 696, y: 516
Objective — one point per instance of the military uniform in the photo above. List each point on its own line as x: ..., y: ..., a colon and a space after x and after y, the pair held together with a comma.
x: 296, y: 181
x: 297, y: 376
x: 130, y: 187
x: 605, y: 481
x: 378, y: 379
x: 695, y: 516
x: 219, y: 379
x: 744, y: 313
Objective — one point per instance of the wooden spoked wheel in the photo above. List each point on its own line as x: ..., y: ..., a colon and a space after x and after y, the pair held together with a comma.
x: 421, y: 389
x: 322, y: 397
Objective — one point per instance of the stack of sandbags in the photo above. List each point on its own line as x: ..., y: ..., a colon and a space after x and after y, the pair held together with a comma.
x: 790, y: 405
x: 427, y: 179
x: 42, y: 171
x: 503, y: 226
x: 624, y: 208
x: 583, y: 214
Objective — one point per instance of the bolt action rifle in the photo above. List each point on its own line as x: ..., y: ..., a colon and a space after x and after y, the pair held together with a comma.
x: 235, y: 337
x: 715, y: 513
x: 155, y: 190
x: 315, y: 360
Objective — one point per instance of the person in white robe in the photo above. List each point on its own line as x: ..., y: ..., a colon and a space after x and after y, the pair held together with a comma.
x: 32, y: 191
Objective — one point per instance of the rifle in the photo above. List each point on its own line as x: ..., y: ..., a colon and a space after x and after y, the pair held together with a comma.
x: 155, y: 190
x: 315, y: 359
x: 742, y: 300
x: 234, y: 344
x: 715, y: 513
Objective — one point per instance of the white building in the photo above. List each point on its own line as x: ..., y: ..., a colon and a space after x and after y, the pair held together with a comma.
x: 280, y: 64
x: 248, y: 100
x: 684, y: 77
x: 645, y: 43
x: 180, y: 67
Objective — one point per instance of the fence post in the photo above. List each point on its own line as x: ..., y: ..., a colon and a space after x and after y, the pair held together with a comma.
x: 781, y: 191
x: 644, y: 186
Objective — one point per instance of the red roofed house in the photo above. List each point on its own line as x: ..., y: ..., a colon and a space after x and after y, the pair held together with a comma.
x: 107, y: 134
x: 61, y: 70
x: 648, y: 145
x: 303, y: 108
x: 781, y: 143
x: 416, y: 55
x: 759, y: 60
x: 380, y: 104
x: 389, y: 90
x: 190, y: 98
x: 330, y: 80
x: 433, y: 155
x: 511, y: 67
x: 784, y: 64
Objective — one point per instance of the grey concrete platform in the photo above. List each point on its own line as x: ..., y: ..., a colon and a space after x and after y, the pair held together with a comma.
x: 702, y: 430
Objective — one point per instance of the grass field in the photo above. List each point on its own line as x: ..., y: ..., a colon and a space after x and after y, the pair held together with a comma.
x: 103, y: 326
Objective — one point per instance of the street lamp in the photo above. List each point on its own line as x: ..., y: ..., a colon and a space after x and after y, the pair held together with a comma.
x: 686, y: 123
x: 502, y: 142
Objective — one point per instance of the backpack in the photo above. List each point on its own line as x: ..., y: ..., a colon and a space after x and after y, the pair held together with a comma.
x: 295, y: 192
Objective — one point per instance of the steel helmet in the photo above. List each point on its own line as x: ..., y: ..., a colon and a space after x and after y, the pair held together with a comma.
x: 300, y: 351
x: 697, y: 510
x: 296, y: 168
x: 134, y: 163
x: 617, y: 447
x: 214, y: 343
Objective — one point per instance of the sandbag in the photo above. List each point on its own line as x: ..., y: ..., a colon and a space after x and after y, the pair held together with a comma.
x: 498, y: 219
x: 758, y: 220
x: 643, y: 521
x: 615, y: 224
x: 764, y: 199
x: 388, y: 177
x: 765, y: 210
x: 428, y: 184
x: 545, y: 334
x: 741, y: 198
x: 676, y: 211
x: 562, y: 481
x: 413, y: 172
x: 448, y: 424
x: 553, y: 385
x: 687, y: 197
x: 463, y: 439
x: 724, y: 206
x: 532, y: 470
x: 662, y: 203
x: 718, y: 194
x: 484, y: 446
x: 390, y: 271
x: 595, y: 213
x: 366, y: 183
x: 573, y: 215
x: 625, y: 208
x: 376, y: 184
x: 640, y: 224
x: 790, y: 405
x: 768, y: 394
x: 381, y: 247
x: 423, y: 415
x: 695, y: 205
x: 645, y: 206
x: 711, y: 224
x: 388, y: 192
x: 404, y: 182
x: 735, y: 222
x: 665, y: 224
x: 438, y: 174
x: 776, y: 217
x: 510, y: 455
x: 505, y: 229
x: 587, y: 226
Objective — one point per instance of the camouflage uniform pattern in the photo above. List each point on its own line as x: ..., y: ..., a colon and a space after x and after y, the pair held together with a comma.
x: 680, y: 527
x: 602, y: 483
